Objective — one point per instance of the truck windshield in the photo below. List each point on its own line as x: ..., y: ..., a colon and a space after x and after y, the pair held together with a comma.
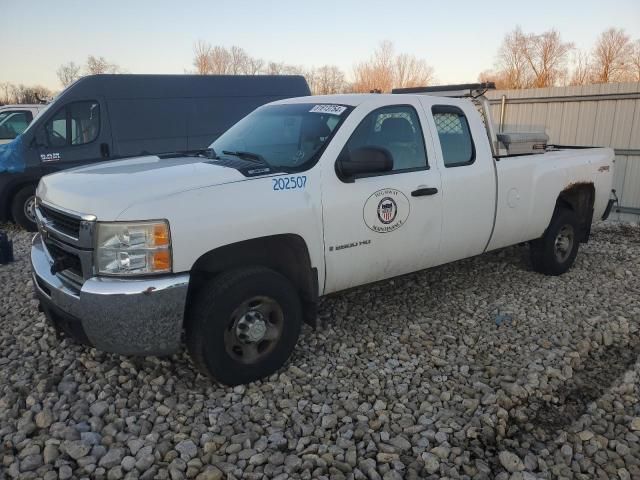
x: 289, y: 136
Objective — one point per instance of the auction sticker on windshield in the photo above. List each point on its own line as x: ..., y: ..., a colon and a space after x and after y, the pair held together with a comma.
x: 332, y: 109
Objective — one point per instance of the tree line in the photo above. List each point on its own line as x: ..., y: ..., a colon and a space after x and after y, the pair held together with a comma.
x: 523, y: 60
x: 530, y: 60
x: 67, y: 73
x: 384, y: 70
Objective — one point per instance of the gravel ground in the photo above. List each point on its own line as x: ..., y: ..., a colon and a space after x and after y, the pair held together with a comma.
x: 418, y: 377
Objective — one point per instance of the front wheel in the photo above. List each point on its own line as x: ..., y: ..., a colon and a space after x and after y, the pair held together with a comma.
x: 23, y: 208
x: 555, y: 252
x: 244, y: 324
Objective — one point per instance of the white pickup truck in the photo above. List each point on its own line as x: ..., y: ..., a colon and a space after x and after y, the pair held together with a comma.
x: 230, y: 248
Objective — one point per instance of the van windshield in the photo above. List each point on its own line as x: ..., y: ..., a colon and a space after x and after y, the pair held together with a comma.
x: 289, y: 136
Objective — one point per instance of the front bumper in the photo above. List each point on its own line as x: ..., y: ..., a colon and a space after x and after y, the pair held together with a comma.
x: 124, y: 316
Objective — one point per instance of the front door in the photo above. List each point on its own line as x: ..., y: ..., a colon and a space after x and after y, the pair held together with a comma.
x: 387, y: 224
x: 75, y: 134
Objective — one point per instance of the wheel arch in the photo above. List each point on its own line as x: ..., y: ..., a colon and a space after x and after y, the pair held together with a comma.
x: 580, y: 198
x: 286, y: 254
x: 12, y: 190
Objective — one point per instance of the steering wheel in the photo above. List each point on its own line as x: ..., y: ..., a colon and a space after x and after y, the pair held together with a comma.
x: 58, y: 136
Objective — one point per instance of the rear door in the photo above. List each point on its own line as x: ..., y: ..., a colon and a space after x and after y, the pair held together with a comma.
x: 468, y: 177
x: 75, y: 134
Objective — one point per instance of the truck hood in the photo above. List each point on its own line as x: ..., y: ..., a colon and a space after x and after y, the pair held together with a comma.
x: 107, y: 189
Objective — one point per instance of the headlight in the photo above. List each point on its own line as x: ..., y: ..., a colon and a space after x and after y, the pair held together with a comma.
x: 136, y: 248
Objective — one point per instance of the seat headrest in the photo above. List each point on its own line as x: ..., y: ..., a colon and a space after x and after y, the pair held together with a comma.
x: 315, y: 128
x: 396, y: 129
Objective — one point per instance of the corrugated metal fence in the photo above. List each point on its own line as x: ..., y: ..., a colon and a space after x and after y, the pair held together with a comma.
x: 596, y: 115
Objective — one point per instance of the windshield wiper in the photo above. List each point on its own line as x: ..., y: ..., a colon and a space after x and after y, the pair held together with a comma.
x: 254, y: 157
x: 206, y: 152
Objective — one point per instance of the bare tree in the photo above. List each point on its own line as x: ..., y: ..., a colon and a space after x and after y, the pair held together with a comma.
x: 220, y: 60
x: 512, y: 64
x: 6, y: 93
x: 68, y: 73
x: 547, y: 56
x: 497, y: 78
x: 254, y: 66
x: 239, y: 60
x: 412, y: 72
x: 201, y: 57
x: 377, y: 72
x: 326, y: 80
x: 635, y: 61
x: 385, y: 70
x: 96, y: 65
x: 612, y: 57
x: 25, y: 94
x: 581, y: 71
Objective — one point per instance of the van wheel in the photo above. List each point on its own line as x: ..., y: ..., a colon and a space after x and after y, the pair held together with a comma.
x: 23, y: 208
x: 243, y: 325
x: 555, y: 252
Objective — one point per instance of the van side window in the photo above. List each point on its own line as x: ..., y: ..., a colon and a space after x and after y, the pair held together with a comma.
x: 454, y: 134
x: 56, y: 129
x: 397, y: 129
x: 75, y: 124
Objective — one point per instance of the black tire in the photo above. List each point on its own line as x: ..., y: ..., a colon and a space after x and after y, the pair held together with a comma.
x: 19, y: 206
x: 217, y: 312
x: 554, y: 254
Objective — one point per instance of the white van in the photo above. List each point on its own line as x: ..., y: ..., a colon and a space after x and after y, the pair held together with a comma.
x: 14, y: 119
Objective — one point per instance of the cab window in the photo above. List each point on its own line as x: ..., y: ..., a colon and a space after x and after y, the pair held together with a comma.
x: 454, y: 134
x: 13, y: 123
x: 397, y: 129
x: 75, y: 124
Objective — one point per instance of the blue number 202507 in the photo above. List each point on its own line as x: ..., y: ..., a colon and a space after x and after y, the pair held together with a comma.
x: 289, y: 183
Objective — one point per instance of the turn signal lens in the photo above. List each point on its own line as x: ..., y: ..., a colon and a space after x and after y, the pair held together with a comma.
x: 161, y: 235
x: 161, y: 260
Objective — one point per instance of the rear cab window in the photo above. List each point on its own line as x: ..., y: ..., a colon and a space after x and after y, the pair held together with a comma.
x: 454, y: 134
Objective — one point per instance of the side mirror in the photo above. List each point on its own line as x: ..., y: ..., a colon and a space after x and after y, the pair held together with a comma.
x: 39, y: 138
x: 363, y: 161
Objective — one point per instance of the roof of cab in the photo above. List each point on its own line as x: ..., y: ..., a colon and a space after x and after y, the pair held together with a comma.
x: 355, y: 99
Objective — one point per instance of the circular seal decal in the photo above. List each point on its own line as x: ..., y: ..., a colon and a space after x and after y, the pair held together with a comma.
x: 386, y: 210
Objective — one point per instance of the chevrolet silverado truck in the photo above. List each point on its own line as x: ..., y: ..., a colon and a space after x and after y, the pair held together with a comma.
x: 230, y: 248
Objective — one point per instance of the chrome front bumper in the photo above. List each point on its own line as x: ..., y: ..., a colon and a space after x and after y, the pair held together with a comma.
x: 125, y: 316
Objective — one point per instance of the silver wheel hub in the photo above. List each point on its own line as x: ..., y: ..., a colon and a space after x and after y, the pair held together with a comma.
x: 251, y: 327
x: 30, y: 208
x: 563, y: 243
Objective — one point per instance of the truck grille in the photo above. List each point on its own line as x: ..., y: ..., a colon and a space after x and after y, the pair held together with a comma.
x: 62, y: 222
x: 67, y: 261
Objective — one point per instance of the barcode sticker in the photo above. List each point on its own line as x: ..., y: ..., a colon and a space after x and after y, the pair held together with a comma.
x: 331, y: 109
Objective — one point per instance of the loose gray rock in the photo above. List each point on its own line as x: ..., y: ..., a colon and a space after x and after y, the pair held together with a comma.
x: 187, y: 449
x: 510, y: 461
x: 384, y: 388
x: 76, y: 449
x: 112, y: 458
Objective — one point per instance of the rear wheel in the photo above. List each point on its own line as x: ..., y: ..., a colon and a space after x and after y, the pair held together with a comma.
x: 555, y: 252
x: 23, y: 208
x: 244, y: 324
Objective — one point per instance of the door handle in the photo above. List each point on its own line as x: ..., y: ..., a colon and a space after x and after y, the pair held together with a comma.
x: 104, y: 150
x: 422, y: 192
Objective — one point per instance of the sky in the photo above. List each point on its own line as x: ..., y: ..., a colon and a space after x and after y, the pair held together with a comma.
x: 459, y: 39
